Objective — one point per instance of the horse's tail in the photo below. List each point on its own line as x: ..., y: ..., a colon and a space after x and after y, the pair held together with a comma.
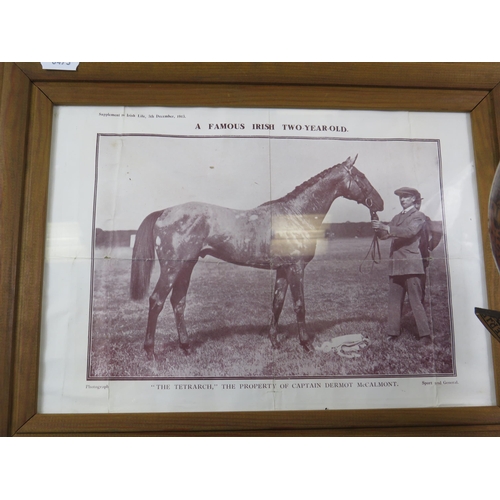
x: 143, y: 257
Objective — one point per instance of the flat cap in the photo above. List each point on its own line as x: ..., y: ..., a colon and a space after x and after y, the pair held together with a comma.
x: 407, y: 191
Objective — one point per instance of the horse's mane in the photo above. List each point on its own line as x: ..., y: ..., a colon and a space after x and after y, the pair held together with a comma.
x: 302, y: 187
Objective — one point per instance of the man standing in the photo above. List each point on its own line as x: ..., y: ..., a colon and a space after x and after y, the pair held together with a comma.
x: 406, y: 268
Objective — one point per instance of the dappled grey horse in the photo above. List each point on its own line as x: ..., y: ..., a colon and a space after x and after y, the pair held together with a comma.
x: 279, y: 234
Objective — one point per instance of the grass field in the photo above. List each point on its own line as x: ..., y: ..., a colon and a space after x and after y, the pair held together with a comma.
x: 228, y: 309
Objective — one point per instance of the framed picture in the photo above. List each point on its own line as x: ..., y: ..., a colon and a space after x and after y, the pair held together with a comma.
x: 268, y: 138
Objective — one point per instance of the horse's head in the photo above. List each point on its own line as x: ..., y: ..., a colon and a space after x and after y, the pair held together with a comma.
x: 358, y: 187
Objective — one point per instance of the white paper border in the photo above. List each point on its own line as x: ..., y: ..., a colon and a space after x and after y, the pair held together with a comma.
x: 63, y: 388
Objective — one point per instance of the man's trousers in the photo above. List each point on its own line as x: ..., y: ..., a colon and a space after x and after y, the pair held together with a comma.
x: 398, y: 287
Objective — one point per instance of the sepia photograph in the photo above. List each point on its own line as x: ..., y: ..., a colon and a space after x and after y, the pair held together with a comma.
x: 268, y: 256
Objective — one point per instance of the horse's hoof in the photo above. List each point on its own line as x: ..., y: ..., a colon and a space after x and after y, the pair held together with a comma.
x: 186, y: 348
x: 150, y: 355
x: 308, y: 347
x: 274, y: 343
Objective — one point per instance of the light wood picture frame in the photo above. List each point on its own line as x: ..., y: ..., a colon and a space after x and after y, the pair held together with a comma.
x: 28, y: 95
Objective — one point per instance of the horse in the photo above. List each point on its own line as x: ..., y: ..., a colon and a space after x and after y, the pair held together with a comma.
x: 279, y: 235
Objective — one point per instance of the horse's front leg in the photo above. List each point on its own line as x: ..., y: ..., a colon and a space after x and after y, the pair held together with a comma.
x: 295, y: 275
x: 280, y: 289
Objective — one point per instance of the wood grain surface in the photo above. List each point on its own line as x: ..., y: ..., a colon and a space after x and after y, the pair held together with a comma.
x: 264, y: 422
x: 32, y: 245
x: 264, y: 96
x: 14, y: 101
x: 470, y: 76
x: 24, y: 87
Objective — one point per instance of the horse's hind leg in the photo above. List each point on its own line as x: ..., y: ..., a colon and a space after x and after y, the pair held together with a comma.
x: 156, y: 302
x: 178, y: 301
x: 280, y: 289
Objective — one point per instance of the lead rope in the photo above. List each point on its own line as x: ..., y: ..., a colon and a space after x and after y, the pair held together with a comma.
x: 373, y: 251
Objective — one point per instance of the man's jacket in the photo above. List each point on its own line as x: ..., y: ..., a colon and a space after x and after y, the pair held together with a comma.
x: 406, y: 231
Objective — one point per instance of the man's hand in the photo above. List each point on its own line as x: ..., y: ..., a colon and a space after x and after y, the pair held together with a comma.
x: 380, y: 226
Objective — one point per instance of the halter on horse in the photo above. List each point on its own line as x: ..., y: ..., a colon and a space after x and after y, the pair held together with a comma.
x: 279, y: 234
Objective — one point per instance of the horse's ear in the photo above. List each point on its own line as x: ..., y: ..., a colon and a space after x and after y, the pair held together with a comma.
x: 354, y: 161
x: 349, y: 163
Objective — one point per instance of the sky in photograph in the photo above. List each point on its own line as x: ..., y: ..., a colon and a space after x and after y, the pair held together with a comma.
x: 140, y: 174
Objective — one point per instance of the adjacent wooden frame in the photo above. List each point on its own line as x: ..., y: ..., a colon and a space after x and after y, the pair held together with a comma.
x: 27, y: 97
